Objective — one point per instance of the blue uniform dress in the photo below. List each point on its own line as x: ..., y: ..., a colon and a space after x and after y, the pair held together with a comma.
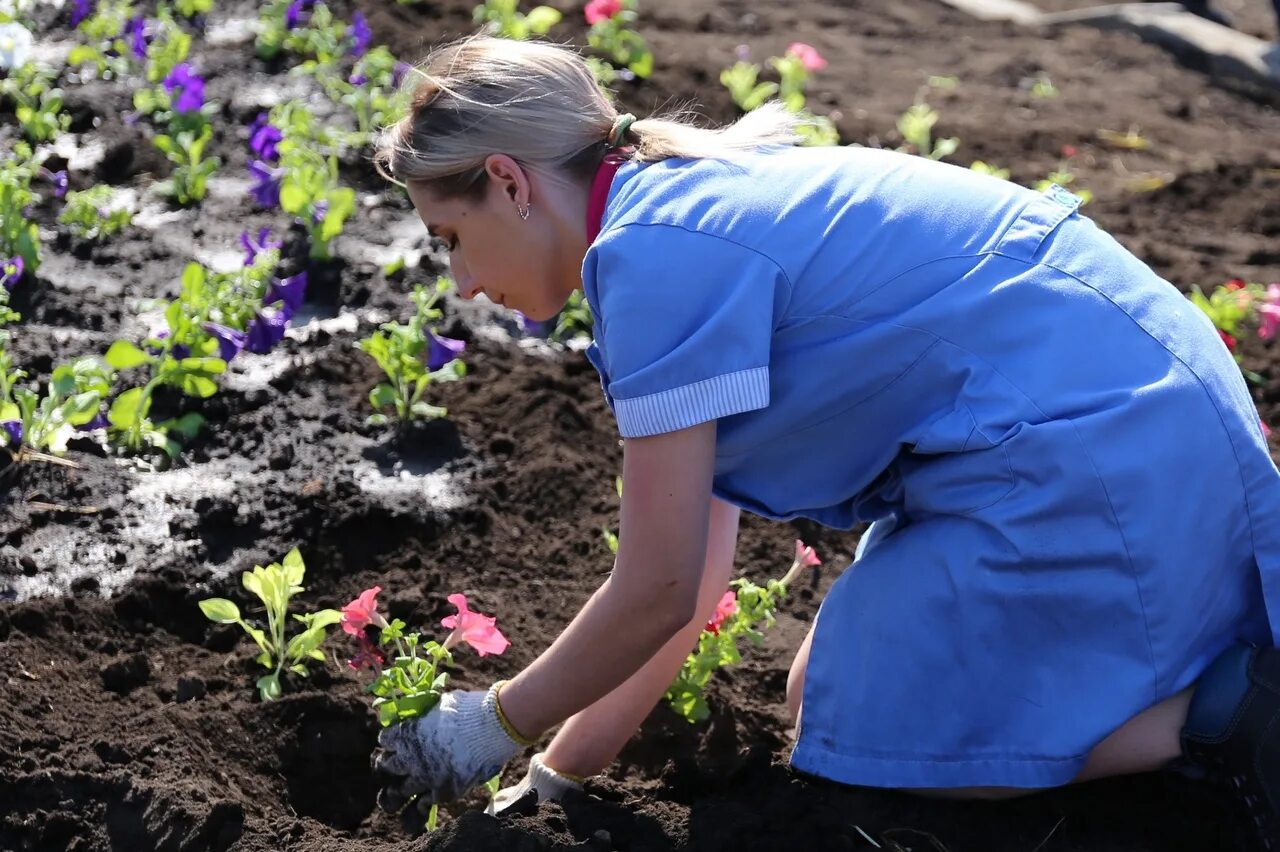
x: 1075, y: 510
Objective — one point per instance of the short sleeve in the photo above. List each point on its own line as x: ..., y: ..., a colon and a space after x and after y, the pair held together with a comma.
x: 684, y: 324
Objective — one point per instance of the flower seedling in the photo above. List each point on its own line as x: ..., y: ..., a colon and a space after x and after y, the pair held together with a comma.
x: 613, y: 34
x: 275, y: 585
x: 412, y: 356
x: 190, y: 178
x: 36, y: 424
x: 989, y: 169
x: 502, y: 19
x: 19, y: 235
x: 1235, y: 304
x: 37, y: 102
x: 794, y: 70
x: 916, y: 126
x: 95, y: 213
x: 745, y: 611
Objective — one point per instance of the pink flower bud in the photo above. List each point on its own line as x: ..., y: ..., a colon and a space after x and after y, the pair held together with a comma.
x: 602, y: 10
x: 362, y: 612
x: 808, y: 55
x: 805, y: 554
x: 728, y: 606
x: 475, y: 629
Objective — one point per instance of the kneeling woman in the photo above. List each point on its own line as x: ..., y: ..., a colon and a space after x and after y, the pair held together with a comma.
x: 1076, y: 519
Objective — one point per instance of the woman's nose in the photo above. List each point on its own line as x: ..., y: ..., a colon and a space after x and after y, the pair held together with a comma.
x: 467, y: 288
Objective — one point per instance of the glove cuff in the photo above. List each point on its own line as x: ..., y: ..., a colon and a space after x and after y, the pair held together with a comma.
x: 509, y: 728
x: 545, y: 778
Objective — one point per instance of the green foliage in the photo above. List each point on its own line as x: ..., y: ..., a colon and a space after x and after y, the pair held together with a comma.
x: 989, y: 169
x: 18, y: 234
x: 170, y: 45
x: 1064, y: 178
x: 37, y: 102
x: 617, y: 39
x: 756, y: 612
x: 275, y: 585
x: 916, y: 126
x: 413, y: 682
x: 401, y: 351
x: 189, y: 181
x: 185, y: 355
x: 310, y: 188
x: 73, y: 398
x: 191, y: 8
x: 95, y: 213
x: 501, y: 18
x: 574, y: 319
x: 105, y: 45
x: 749, y: 92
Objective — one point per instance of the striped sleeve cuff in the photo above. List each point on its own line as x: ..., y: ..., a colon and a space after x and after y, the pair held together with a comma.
x: 689, y: 405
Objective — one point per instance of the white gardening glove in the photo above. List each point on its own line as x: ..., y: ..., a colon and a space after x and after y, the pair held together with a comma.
x: 458, y: 745
x: 548, y: 783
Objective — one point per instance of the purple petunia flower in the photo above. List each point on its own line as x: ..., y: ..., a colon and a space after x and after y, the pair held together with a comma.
x: 139, y: 35
x: 14, y: 428
x: 360, y: 35
x: 293, y: 15
x: 265, y: 331
x: 230, y: 340
x: 266, y: 189
x: 252, y: 247
x: 291, y: 291
x: 531, y: 326
x: 178, y: 351
x: 357, y: 79
x: 398, y: 71
x: 82, y: 10
x: 99, y: 421
x: 58, y: 179
x: 189, y: 87
x: 318, y: 211
x: 11, y: 272
x: 263, y: 139
x: 442, y: 350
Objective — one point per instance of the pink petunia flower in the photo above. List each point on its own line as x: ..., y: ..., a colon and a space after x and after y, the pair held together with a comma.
x: 1269, y: 309
x: 805, y: 554
x: 362, y: 612
x: 728, y: 606
x: 474, y: 628
x: 368, y: 657
x: 1266, y: 430
x: 1069, y: 151
x: 602, y: 10
x: 808, y: 55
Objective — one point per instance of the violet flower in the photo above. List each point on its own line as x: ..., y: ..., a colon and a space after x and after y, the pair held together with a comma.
x: 11, y: 272
x: 318, y: 211
x: 82, y: 10
x: 531, y: 326
x: 252, y: 247
x: 263, y: 139
x: 14, y: 428
x: 178, y: 351
x: 398, y: 71
x: 58, y: 179
x: 442, y: 350
x: 188, y: 84
x: 291, y: 291
x: 137, y: 32
x: 357, y: 79
x: 360, y: 34
x: 99, y: 421
x: 293, y: 15
x: 265, y: 330
x: 230, y: 340
x: 266, y: 189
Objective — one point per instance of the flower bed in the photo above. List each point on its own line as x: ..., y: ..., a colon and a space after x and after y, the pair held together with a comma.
x: 129, y: 721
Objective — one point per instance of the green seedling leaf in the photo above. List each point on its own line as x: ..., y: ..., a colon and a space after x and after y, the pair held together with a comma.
x: 220, y: 610
x: 124, y: 355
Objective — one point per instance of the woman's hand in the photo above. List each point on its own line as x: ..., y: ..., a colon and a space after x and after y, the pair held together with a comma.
x: 457, y: 746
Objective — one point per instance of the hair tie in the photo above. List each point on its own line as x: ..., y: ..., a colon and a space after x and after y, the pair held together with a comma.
x: 618, y: 132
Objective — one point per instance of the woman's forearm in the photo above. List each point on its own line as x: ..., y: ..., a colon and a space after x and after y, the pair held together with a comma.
x: 591, y: 739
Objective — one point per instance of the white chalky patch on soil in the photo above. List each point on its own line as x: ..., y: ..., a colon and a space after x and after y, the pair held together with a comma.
x: 231, y: 31
x: 438, y: 489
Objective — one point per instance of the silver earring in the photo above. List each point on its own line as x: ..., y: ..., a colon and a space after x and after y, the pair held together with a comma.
x: 523, y: 211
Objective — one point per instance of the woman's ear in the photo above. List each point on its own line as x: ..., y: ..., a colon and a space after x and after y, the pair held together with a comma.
x: 508, y: 177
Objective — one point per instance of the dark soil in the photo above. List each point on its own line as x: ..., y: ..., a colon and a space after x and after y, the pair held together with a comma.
x: 129, y: 722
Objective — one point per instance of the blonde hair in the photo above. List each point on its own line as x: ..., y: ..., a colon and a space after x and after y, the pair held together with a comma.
x: 540, y: 104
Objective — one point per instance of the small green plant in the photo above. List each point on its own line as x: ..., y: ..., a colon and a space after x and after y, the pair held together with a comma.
x: 19, y: 235
x: 1043, y: 87
x: 46, y: 423
x: 310, y: 188
x: 1064, y: 178
x: 989, y: 169
x: 744, y: 612
x: 613, y: 35
x: 275, y: 585
x: 191, y: 8
x: 189, y: 181
x: 37, y: 102
x: 794, y: 70
x: 502, y: 18
x: 1235, y: 304
x: 412, y: 356
x: 95, y: 213
x: 916, y: 126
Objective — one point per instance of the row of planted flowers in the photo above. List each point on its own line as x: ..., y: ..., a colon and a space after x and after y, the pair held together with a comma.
x: 409, y: 671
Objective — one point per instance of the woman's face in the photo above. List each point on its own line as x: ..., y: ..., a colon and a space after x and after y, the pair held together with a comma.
x: 528, y: 265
